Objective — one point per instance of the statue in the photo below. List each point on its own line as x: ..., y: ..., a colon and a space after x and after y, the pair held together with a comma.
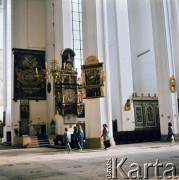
x: 127, y: 105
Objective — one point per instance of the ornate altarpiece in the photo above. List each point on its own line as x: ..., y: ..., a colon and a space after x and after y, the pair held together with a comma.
x: 92, y: 78
x: 68, y: 97
x: 27, y: 64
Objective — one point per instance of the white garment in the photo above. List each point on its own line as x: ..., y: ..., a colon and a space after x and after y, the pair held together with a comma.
x: 69, y: 136
x: 172, y: 138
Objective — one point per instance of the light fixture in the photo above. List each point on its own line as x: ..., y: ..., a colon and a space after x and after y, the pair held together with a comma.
x: 54, y: 70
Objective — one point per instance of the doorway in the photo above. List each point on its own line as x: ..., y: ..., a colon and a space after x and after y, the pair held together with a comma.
x: 43, y: 130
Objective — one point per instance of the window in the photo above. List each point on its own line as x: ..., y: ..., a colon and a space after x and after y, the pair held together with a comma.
x: 77, y: 32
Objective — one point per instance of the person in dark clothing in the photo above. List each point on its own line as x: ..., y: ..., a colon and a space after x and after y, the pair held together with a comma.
x: 105, y: 136
x: 80, y: 137
x: 170, y: 133
x: 75, y: 138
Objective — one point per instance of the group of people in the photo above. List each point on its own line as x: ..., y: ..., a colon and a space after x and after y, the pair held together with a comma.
x: 76, y: 140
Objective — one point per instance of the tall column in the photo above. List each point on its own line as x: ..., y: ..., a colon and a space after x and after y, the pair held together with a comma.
x: 126, y: 120
x: 2, y: 64
x: 8, y: 66
x: 63, y: 39
x: 165, y: 60
x: 95, y: 43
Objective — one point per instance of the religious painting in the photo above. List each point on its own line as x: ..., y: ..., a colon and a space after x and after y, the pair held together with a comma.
x: 29, y: 76
x: 81, y: 111
x: 92, y: 78
x: 65, y: 99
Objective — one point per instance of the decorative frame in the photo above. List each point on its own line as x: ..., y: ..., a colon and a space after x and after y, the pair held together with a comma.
x: 146, y: 111
x: 92, y: 78
x: 27, y: 85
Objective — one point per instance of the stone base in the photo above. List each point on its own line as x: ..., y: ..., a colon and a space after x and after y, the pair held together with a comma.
x: 93, y: 143
x: 21, y: 141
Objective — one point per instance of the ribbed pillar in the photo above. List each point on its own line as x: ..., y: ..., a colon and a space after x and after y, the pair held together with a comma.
x: 62, y: 33
x: 95, y: 43
x: 163, y: 21
x: 125, y: 80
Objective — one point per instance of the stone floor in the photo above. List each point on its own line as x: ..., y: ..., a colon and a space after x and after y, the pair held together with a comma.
x: 90, y: 164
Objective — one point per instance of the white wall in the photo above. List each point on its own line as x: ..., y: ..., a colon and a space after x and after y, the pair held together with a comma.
x: 28, y: 32
x: 1, y: 28
x: 29, y: 24
x: 144, y: 72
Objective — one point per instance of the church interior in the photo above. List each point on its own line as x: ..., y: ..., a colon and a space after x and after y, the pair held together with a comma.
x: 88, y: 62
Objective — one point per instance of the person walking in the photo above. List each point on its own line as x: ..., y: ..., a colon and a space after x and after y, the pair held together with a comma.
x: 75, y: 138
x: 170, y: 133
x: 80, y: 137
x: 105, y: 136
x: 67, y: 140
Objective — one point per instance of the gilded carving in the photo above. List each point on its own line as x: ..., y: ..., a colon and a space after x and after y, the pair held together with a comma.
x: 150, y: 115
x: 128, y: 105
x: 69, y: 97
x: 92, y: 79
x: 91, y: 60
x: 172, y: 83
x: 139, y: 119
x: 29, y: 81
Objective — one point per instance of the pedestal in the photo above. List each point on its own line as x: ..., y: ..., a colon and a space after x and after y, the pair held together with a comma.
x: 21, y: 141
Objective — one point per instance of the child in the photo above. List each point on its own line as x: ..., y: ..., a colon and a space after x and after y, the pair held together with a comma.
x: 67, y: 140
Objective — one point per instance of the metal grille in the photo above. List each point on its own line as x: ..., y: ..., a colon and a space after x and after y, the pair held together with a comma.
x: 77, y: 32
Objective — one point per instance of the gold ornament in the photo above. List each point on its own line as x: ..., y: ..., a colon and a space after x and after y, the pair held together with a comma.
x: 172, y: 83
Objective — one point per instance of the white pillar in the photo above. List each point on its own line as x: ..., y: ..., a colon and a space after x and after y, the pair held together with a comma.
x: 2, y: 63
x: 63, y: 39
x: 126, y: 121
x: 8, y: 72
x: 95, y: 43
x: 165, y: 60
